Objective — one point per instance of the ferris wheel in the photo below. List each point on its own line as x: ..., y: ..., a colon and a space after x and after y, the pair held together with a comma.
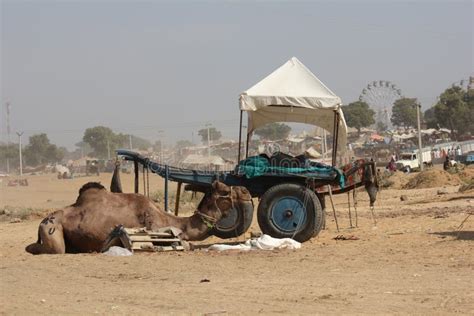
x: 380, y: 96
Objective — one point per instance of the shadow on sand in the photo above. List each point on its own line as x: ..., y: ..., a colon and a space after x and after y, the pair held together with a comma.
x: 459, y: 235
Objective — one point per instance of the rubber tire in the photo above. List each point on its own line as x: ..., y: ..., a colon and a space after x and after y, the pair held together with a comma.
x: 323, y: 215
x: 408, y: 169
x: 314, y: 212
x: 239, y: 227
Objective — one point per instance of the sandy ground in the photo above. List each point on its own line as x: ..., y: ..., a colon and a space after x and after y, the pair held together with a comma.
x: 412, y: 262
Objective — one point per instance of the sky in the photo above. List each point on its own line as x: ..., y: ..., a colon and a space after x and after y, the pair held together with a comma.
x: 164, y: 69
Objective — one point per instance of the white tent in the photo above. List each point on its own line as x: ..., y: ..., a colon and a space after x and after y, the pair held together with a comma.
x: 292, y: 93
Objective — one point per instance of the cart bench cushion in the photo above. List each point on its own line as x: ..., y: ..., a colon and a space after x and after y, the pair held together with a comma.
x: 257, y: 166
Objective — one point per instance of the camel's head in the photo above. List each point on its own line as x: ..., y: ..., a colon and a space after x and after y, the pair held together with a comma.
x: 222, y: 199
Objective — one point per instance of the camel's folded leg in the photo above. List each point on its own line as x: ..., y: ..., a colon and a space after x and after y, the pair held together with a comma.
x: 50, y: 237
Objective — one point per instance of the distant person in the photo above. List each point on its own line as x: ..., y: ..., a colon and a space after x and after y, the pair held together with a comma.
x: 446, y: 164
x: 452, y: 154
x: 392, y: 167
x: 394, y: 156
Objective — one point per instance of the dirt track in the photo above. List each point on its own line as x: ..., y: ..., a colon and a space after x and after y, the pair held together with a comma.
x: 412, y: 262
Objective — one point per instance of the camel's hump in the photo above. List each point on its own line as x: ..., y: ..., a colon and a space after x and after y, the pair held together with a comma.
x: 91, y: 185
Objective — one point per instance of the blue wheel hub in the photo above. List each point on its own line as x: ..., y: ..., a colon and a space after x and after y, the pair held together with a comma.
x: 288, y: 214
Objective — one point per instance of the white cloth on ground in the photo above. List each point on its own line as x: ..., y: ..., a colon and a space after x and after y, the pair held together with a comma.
x: 263, y: 242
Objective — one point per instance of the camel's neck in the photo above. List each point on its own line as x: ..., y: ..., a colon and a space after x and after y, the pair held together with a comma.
x: 193, y: 227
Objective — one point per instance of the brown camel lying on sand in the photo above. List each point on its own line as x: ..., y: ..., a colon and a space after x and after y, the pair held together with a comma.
x: 85, y: 225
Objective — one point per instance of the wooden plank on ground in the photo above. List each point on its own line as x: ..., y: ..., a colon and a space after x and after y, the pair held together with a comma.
x: 135, y: 238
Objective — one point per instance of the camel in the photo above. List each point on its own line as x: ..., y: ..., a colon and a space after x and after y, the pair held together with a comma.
x: 85, y: 225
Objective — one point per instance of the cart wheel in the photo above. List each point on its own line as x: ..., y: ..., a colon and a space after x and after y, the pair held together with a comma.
x: 236, y: 223
x: 290, y: 211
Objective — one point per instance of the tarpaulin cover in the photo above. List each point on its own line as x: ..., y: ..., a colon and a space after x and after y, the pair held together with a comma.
x: 256, y: 166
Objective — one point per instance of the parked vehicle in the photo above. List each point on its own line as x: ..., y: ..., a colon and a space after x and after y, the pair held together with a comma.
x: 409, y: 161
x: 467, y: 158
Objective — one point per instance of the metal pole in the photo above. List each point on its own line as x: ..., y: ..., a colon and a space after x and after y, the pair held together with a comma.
x: 19, y: 148
x: 135, y: 165
x: 178, y: 195
x: 167, y: 174
x: 420, y: 154
x: 324, y: 146
x: 333, y: 208
x: 247, y: 144
x: 335, y: 136
x: 240, y: 136
x: 108, y: 149
x: 130, y: 141
x: 8, y: 108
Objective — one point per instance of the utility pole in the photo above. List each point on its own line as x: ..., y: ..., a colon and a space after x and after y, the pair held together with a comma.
x: 19, y: 148
x: 8, y: 108
x: 108, y: 149
x: 130, y: 141
x: 420, y: 154
x: 160, y: 136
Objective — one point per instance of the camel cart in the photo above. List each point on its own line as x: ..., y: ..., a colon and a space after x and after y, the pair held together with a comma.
x: 290, y: 189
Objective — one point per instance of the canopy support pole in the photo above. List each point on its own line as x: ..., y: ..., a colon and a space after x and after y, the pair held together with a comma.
x: 135, y: 165
x: 178, y: 195
x: 247, y: 146
x: 167, y: 176
x: 240, y: 136
x: 335, y: 136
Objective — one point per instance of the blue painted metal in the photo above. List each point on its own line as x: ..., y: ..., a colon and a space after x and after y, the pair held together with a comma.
x: 288, y: 213
x: 167, y: 174
x: 256, y: 185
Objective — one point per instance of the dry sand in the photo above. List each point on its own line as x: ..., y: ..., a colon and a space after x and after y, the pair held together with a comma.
x: 412, y: 262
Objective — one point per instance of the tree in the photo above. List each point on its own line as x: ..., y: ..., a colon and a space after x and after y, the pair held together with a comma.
x: 214, y: 134
x: 140, y: 143
x: 455, y: 110
x: 404, y: 112
x: 358, y: 114
x: 83, y: 148
x: 183, y: 143
x: 103, y: 140
x: 39, y: 151
x: 11, y: 153
x: 429, y: 118
x: 273, y: 131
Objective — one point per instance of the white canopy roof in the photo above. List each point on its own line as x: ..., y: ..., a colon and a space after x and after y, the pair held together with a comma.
x: 292, y: 93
